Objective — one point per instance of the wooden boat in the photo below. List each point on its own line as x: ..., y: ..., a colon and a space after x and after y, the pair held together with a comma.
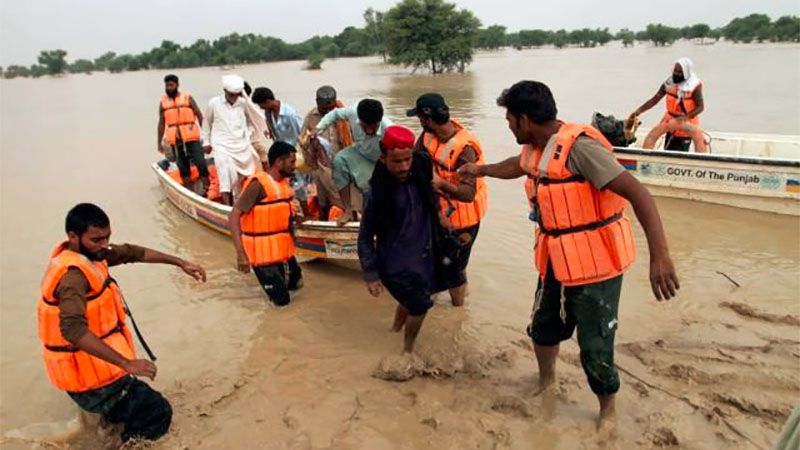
x: 313, y: 239
x: 760, y: 172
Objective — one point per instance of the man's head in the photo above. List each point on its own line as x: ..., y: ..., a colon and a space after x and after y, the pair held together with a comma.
x: 431, y: 110
x: 233, y: 85
x: 265, y: 98
x: 677, y: 73
x: 171, y: 85
x: 326, y: 99
x: 529, y: 107
x: 370, y: 114
x: 88, y: 230
x: 282, y: 157
x: 397, y: 151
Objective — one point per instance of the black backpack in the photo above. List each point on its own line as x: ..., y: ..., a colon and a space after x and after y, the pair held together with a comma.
x: 612, y: 128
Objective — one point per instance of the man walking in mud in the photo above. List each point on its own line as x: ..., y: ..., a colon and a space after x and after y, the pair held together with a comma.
x: 584, y: 243
x: 395, y: 241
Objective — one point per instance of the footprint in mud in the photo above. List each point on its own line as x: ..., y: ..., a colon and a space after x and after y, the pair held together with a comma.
x: 509, y: 404
x: 399, y: 367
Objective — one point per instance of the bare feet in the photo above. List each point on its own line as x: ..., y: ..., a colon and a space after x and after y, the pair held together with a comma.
x: 458, y: 295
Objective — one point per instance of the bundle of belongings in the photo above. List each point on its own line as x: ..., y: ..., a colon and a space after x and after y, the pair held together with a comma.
x: 619, y: 133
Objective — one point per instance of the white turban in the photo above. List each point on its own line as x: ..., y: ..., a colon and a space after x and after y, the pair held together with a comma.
x: 233, y: 83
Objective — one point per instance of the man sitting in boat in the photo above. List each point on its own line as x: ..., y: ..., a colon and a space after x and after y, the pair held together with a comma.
x: 231, y: 123
x: 179, y: 122
x: 396, y: 238
x: 681, y: 121
x: 261, y: 222
x: 353, y: 166
x: 319, y: 153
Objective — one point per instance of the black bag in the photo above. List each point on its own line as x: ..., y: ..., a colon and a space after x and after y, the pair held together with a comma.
x: 612, y: 128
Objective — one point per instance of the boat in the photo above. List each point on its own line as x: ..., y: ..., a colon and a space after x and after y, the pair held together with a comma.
x: 313, y: 239
x: 758, y: 172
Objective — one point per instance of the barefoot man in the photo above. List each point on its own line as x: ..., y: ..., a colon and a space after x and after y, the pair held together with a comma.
x: 395, y: 242
x: 584, y: 241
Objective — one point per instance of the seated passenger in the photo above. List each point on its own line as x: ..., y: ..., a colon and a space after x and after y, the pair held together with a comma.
x: 318, y: 153
x: 684, y: 92
x: 353, y: 166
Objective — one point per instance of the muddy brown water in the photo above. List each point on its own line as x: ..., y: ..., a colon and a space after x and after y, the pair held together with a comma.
x: 240, y: 374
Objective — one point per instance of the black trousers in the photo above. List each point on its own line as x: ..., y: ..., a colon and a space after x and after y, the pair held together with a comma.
x: 143, y: 411
x: 278, y: 279
x: 187, y: 153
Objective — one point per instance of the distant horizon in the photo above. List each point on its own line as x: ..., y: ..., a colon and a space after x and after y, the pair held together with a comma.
x: 133, y: 28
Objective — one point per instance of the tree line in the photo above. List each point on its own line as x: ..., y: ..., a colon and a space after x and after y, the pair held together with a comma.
x: 422, y: 34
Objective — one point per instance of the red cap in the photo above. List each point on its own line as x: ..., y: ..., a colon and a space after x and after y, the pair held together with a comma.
x: 397, y: 136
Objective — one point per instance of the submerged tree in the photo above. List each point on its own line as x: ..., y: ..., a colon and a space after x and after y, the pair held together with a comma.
x: 430, y: 34
x: 53, y: 61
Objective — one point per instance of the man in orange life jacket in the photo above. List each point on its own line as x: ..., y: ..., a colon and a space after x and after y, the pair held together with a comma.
x: 179, y: 122
x: 88, y: 347
x: 463, y: 200
x: 261, y: 224
x: 681, y: 121
x: 584, y: 242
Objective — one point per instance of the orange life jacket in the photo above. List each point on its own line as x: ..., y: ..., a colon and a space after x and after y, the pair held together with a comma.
x: 684, y: 106
x: 335, y: 212
x: 445, y: 156
x: 343, y: 131
x: 69, y: 368
x: 179, y: 115
x: 266, y: 235
x: 583, y: 232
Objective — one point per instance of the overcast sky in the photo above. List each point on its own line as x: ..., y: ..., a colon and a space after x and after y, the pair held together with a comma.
x: 88, y: 28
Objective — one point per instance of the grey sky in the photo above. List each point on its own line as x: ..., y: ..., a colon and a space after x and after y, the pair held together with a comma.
x: 87, y: 28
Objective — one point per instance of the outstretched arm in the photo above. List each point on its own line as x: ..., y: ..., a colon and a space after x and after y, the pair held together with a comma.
x: 507, y: 169
x: 157, y: 257
x: 652, y: 102
x: 663, y: 279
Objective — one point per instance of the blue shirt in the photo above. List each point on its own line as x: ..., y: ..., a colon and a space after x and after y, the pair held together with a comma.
x: 355, y: 163
x: 286, y: 127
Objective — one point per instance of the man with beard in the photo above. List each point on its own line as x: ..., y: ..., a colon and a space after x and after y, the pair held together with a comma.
x: 261, y: 224
x: 231, y: 127
x: 179, y: 123
x: 396, y: 239
x: 463, y: 200
x: 681, y: 121
x: 87, y: 345
x: 584, y: 242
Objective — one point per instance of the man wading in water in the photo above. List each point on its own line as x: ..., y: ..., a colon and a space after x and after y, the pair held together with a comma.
x: 395, y: 242
x: 584, y: 243
x: 87, y: 345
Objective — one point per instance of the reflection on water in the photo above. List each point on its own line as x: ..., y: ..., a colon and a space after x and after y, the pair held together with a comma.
x: 89, y: 138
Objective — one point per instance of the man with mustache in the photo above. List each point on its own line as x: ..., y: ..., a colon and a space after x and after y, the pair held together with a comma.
x: 88, y: 347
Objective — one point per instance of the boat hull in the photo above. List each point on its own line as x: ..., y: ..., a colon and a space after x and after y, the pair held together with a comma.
x: 763, y: 184
x: 313, y: 239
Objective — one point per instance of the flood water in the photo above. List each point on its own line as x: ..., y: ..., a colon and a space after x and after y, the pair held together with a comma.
x: 90, y: 139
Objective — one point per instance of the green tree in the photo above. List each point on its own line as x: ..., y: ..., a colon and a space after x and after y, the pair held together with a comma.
x: 715, y: 34
x: 38, y: 70
x: 492, y: 38
x: 14, y: 71
x: 431, y: 34
x: 101, y: 62
x: 81, y: 66
x: 374, y: 31
x: 661, y: 35
x: 54, y: 61
x: 746, y: 29
x: 786, y: 29
x: 315, y: 61
x: 626, y: 36
x: 530, y: 38
x: 699, y: 31
x: 560, y: 38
